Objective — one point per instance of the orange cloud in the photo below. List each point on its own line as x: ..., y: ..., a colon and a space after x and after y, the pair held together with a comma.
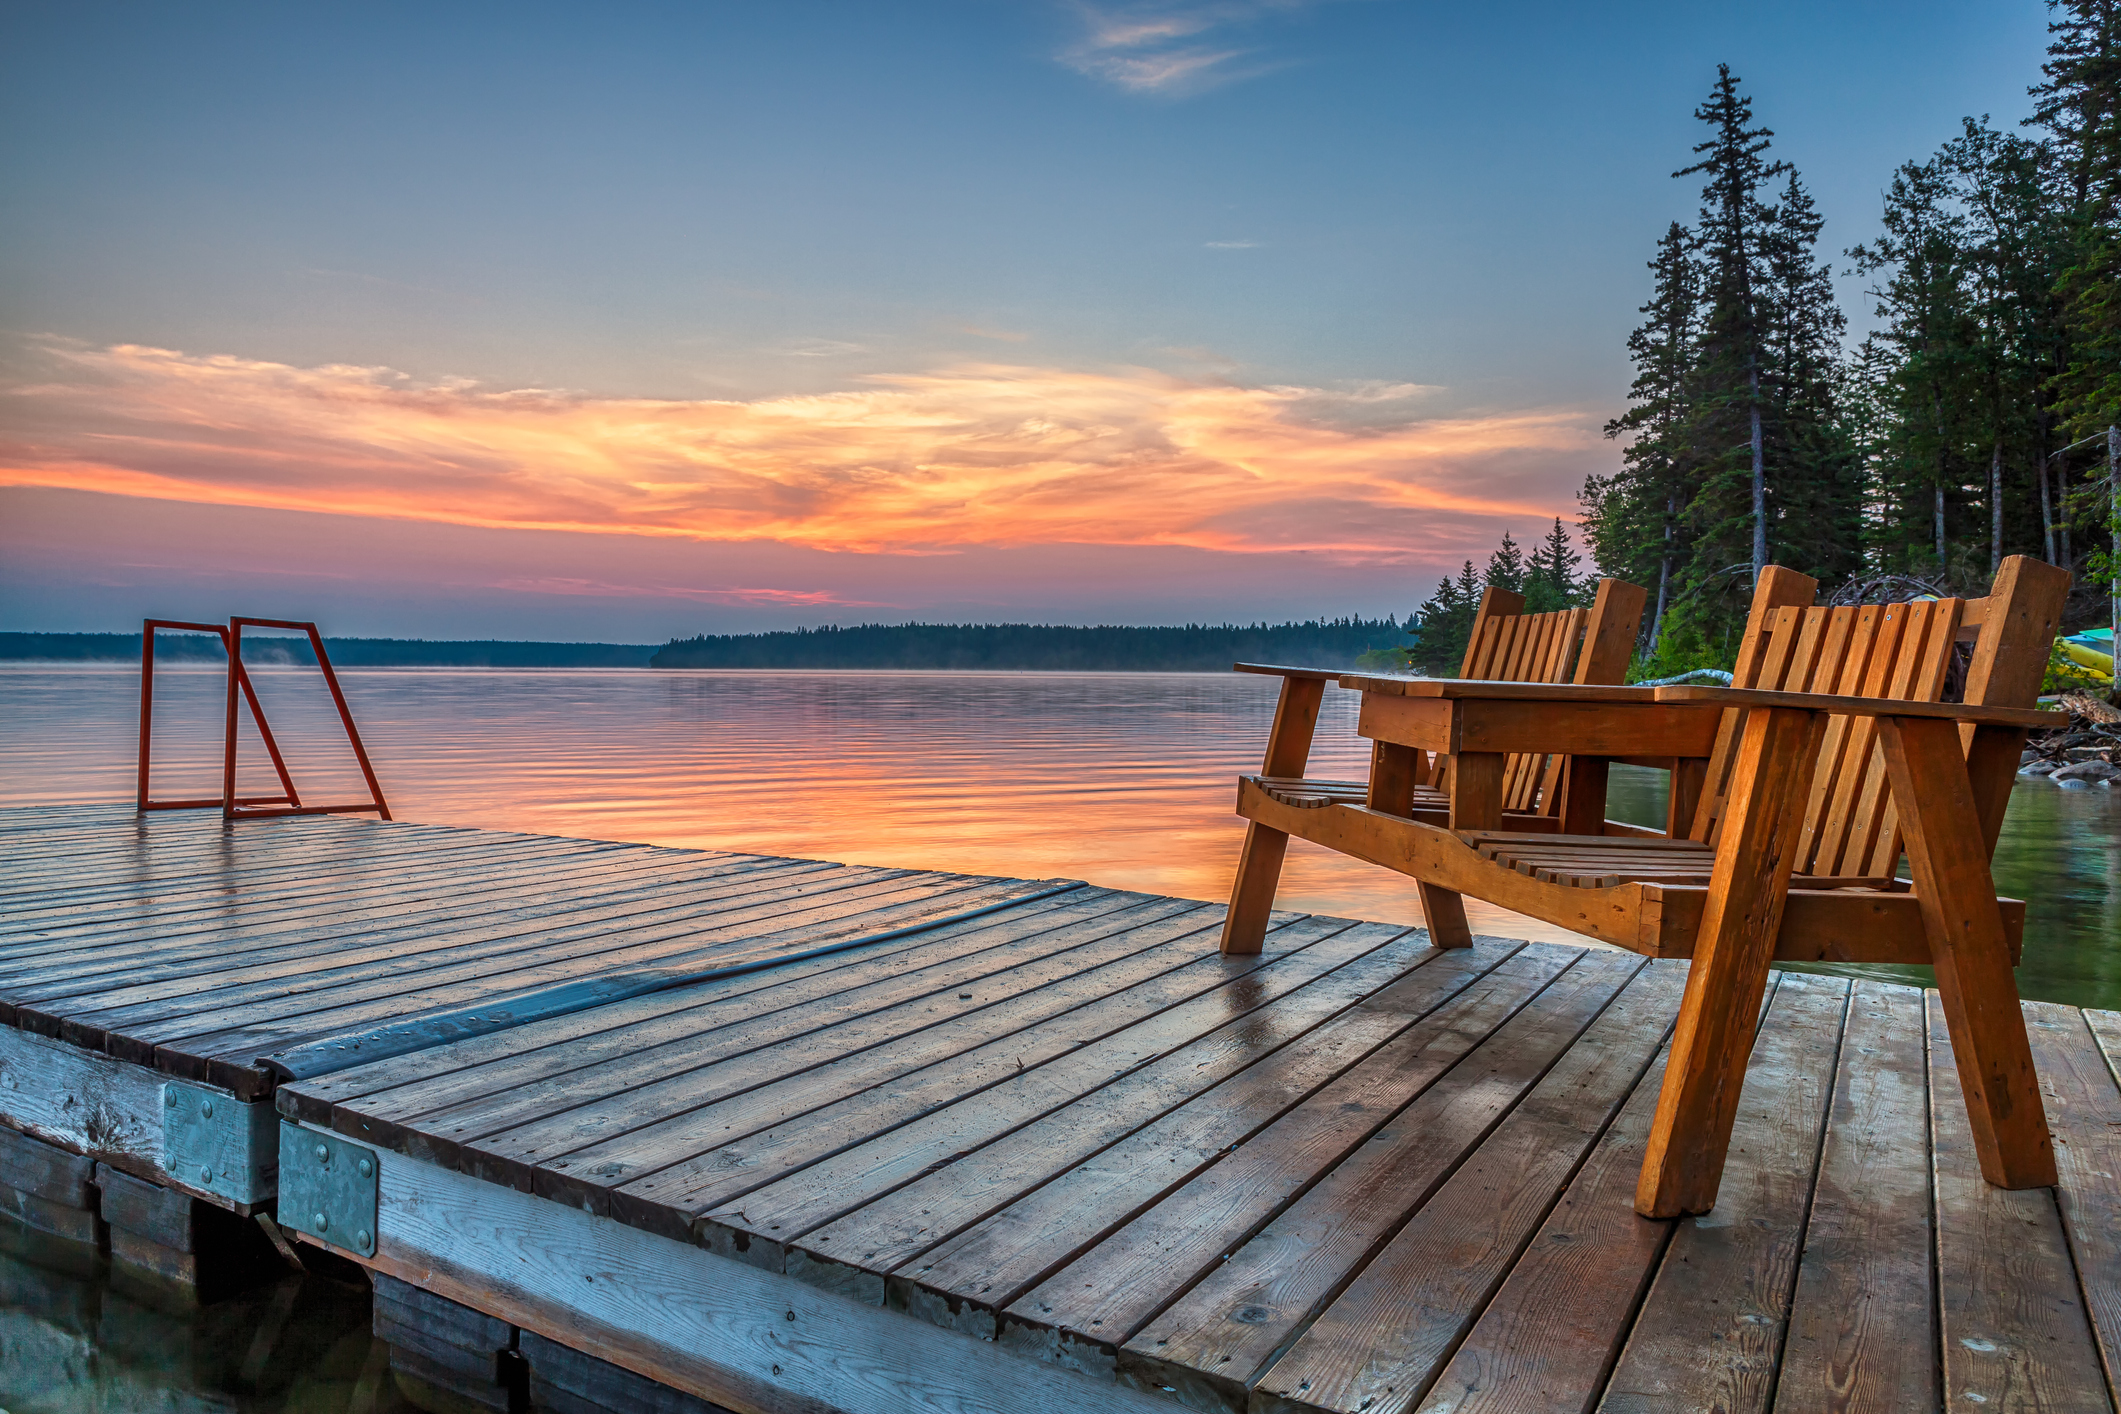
x: 975, y: 455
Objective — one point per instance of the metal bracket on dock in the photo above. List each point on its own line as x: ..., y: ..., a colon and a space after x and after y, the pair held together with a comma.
x: 328, y: 1188
x: 217, y: 1144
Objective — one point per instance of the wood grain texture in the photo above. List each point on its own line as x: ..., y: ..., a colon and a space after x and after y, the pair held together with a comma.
x: 1740, y: 922
x: 1220, y: 1336
x: 1323, y: 980
x: 687, y: 1318
x: 1047, y: 1115
x: 1385, y: 1339
x: 1861, y: 1334
x: 2014, y: 1331
x: 1710, y: 1332
x: 1948, y: 856
x: 1139, y: 1263
x: 2084, y: 1106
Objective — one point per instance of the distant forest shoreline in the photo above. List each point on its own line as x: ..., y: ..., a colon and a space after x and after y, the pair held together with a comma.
x: 1195, y: 648
x: 1325, y: 643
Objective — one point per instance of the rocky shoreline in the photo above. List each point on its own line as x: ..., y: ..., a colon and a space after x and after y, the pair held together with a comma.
x: 2082, y: 756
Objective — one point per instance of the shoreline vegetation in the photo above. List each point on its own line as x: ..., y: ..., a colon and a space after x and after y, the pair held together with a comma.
x: 1326, y: 643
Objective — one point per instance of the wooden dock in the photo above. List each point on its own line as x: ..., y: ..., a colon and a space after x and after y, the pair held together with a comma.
x: 1022, y: 1145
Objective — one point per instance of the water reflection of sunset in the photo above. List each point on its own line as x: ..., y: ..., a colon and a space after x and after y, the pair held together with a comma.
x: 1121, y: 779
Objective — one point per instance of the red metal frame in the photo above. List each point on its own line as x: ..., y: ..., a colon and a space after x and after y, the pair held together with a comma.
x: 234, y: 809
x: 231, y: 805
x: 148, y: 629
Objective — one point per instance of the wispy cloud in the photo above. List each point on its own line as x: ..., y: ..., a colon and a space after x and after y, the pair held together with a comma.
x: 906, y: 464
x: 750, y: 598
x: 1234, y: 245
x: 1171, y: 49
x: 821, y: 348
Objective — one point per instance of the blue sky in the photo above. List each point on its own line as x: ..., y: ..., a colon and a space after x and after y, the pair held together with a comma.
x: 727, y: 204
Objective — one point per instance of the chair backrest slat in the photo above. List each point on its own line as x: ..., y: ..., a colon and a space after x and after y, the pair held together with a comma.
x: 1856, y: 630
x: 1901, y: 651
x: 1566, y: 645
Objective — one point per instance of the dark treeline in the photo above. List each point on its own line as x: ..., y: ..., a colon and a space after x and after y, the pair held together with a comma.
x: 345, y: 652
x: 1039, y: 647
x: 1940, y: 443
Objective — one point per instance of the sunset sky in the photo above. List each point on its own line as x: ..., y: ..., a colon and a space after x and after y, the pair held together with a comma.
x: 624, y: 321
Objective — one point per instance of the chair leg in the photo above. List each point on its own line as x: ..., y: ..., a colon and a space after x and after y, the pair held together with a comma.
x: 1446, y: 913
x: 1713, y: 1039
x: 1947, y: 851
x: 1252, y: 895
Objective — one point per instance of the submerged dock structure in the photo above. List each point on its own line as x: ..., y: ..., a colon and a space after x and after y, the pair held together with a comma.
x: 620, y: 1127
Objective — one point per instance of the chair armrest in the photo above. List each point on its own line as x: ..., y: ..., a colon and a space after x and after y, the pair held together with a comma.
x: 1865, y: 706
x: 1497, y: 690
x: 1275, y: 671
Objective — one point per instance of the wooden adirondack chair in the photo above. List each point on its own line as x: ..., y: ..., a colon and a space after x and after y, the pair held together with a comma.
x: 1849, y: 736
x: 1506, y: 645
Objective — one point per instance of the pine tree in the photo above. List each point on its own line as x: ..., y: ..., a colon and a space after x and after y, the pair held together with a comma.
x: 1917, y: 469
x: 1506, y: 567
x: 1729, y: 510
x: 1811, y: 505
x: 2080, y: 104
x: 1444, y: 625
x: 1551, y: 573
x: 1632, y: 519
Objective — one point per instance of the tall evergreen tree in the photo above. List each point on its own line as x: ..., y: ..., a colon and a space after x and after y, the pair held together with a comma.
x: 1729, y: 510
x: 1633, y: 519
x: 1811, y: 508
x: 2080, y: 105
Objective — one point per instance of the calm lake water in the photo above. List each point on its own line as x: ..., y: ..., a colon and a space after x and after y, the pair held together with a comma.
x: 1120, y: 779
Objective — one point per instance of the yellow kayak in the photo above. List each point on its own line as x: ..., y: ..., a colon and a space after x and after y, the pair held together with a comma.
x: 2100, y: 664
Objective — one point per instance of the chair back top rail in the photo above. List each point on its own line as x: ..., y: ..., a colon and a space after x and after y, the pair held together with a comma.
x: 1987, y: 652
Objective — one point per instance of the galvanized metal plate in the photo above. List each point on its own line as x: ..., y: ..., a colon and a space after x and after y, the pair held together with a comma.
x: 328, y: 1188
x: 216, y: 1144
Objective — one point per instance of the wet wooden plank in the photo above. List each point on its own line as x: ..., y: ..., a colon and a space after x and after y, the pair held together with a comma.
x: 824, y: 1073
x: 152, y: 912
x: 1322, y: 981
x: 463, y: 1069
x: 457, y: 927
x: 1140, y: 1220
x: 1862, y: 1335
x: 262, y: 868
x: 1711, y: 1329
x: 344, y: 933
x: 166, y: 863
x: 2084, y: 1107
x: 232, y: 1053
x: 762, y: 1206
x: 1219, y: 1337
x: 1386, y: 1338
x: 459, y: 974
x: 698, y: 1058
x: 2015, y: 1335
x: 1105, y: 1295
